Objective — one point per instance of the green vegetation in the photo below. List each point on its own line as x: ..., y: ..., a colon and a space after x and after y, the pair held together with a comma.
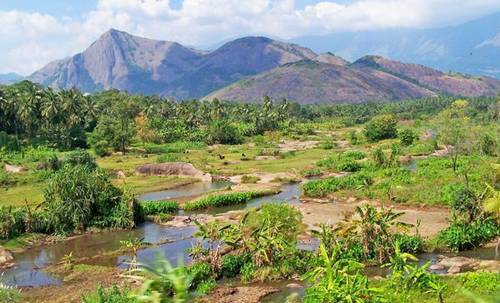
x: 225, y: 199
x: 77, y: 155
x: 159, y: 207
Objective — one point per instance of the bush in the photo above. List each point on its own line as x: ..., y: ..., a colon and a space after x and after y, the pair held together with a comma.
x: 108, y: 295
x: 206, y: 286
x: 80, y: 157
x: 101, y: 148
x: 381, y: 127
x: 222, y: 132
x: 158, y: 207
x: 200, y: 271
x: 247, y: 272
x: 462, y: 235
x: 409, y: 244
x: 12, y: 222
x: 231, y: 265
x: 79, y: 196
x: 407, y: 136
x: 225, y: 199
x: 9, y: 143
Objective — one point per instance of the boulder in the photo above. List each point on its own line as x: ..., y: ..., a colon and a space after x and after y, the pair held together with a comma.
x: 172, y: 169
x: 455, y: 265
x: 120, y: 174
x: 14, y: 168
x: 6, y: 259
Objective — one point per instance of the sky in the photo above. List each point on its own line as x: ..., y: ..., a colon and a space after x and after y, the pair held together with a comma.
x: 35, y: 32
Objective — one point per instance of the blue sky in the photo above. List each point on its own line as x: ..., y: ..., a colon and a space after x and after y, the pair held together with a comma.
x: 35, y: 32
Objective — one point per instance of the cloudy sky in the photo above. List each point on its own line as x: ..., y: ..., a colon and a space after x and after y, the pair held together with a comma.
x: 34, y: 32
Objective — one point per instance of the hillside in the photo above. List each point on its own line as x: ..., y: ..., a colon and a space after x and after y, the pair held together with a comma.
x: 144, y: 66
x: 368, y: 79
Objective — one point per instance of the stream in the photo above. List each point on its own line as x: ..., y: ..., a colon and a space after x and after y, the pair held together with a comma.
x: 170, y: 242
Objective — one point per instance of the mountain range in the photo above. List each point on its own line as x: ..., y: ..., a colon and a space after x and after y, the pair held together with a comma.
x: 247, y: 68
x: 472, y: 47
x: 10, y: 78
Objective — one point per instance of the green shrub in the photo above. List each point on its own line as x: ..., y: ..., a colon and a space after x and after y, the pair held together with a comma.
x: 80, y: 157
x: 485, y: 281
x: 247, y: 272
x: 313, y: 172
x: 462, y: 235
x: 222, y: 132
x: 80, y: 196
x: 206, y: 286
x: 108, y: 295
x: 225, y: 199
x: 9, y: 142
x: 407, y: 136
x: 199, y: 272
x: 12, y: 222
x: 231, y: 265
x: 381, y: 127
x: 101, y: 148
x: 159, y: 207
x: 409, y: 244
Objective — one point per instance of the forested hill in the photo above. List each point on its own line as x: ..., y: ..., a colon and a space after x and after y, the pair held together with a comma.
x: 245, y: 69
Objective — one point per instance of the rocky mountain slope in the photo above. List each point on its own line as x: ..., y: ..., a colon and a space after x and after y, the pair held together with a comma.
x: 245, y: 69
x: 144, y: 66
x: 371, y: 78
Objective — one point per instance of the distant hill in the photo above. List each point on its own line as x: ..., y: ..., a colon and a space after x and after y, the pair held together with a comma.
x: 371, y: 78
x: 472, y: 47
x: 144, y: 66
x: 245, y: 69
x: 10, y: 78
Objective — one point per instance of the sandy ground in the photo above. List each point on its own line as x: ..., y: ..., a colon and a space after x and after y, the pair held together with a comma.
x: 285, y: 146
x: 432, y: 219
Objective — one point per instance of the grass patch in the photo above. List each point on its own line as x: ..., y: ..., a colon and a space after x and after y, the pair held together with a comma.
x: 225, y: 199
x: 87, y: 268
x: 159, y: 207
x: 321, y: 188
x: 249, y: 179
x: 144, y: 184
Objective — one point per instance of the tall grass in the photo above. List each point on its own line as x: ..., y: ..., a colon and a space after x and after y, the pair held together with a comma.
x: 225, y: 199
x: 159, y: 207
x: 321, y: 188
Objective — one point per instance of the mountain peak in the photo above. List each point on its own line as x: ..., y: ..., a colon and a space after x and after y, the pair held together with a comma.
x: 331, y: 58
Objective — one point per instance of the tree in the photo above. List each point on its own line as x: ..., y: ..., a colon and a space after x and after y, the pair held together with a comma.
x: 407, y: 136
x: 455, y: 130
x: 381, y: 127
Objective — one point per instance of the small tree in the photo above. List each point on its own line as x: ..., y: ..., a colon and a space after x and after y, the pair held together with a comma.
x: 455, y: 130
x: 407, y: 136
x: 381, y: 127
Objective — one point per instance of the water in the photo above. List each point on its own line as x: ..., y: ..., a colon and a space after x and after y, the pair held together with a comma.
x: 90, y: 248
x: 170, y: 242
x: 185, y: 191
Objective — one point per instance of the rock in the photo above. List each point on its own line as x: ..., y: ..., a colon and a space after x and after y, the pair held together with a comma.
x: 455, y: 265
x: 6, y: 259
x: 120, y: 174
x: 172, y: 169
x: 405, y: 159
x: 351, y: 200
x: 294, y: 285
x: 14, y: 168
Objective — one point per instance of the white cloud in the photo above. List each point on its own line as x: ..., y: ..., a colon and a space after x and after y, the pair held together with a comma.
x: 30, y: 40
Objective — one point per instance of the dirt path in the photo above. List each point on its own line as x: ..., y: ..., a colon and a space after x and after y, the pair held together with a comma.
x: 432, y: 219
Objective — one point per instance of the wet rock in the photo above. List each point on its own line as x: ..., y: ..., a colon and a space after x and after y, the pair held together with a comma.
x: 294, y: 285
x: 6, y: 259
x: 14, y: 169
x: 455, y: 265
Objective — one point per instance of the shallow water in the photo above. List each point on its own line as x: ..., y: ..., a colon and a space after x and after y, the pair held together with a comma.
x: 92, y: 247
